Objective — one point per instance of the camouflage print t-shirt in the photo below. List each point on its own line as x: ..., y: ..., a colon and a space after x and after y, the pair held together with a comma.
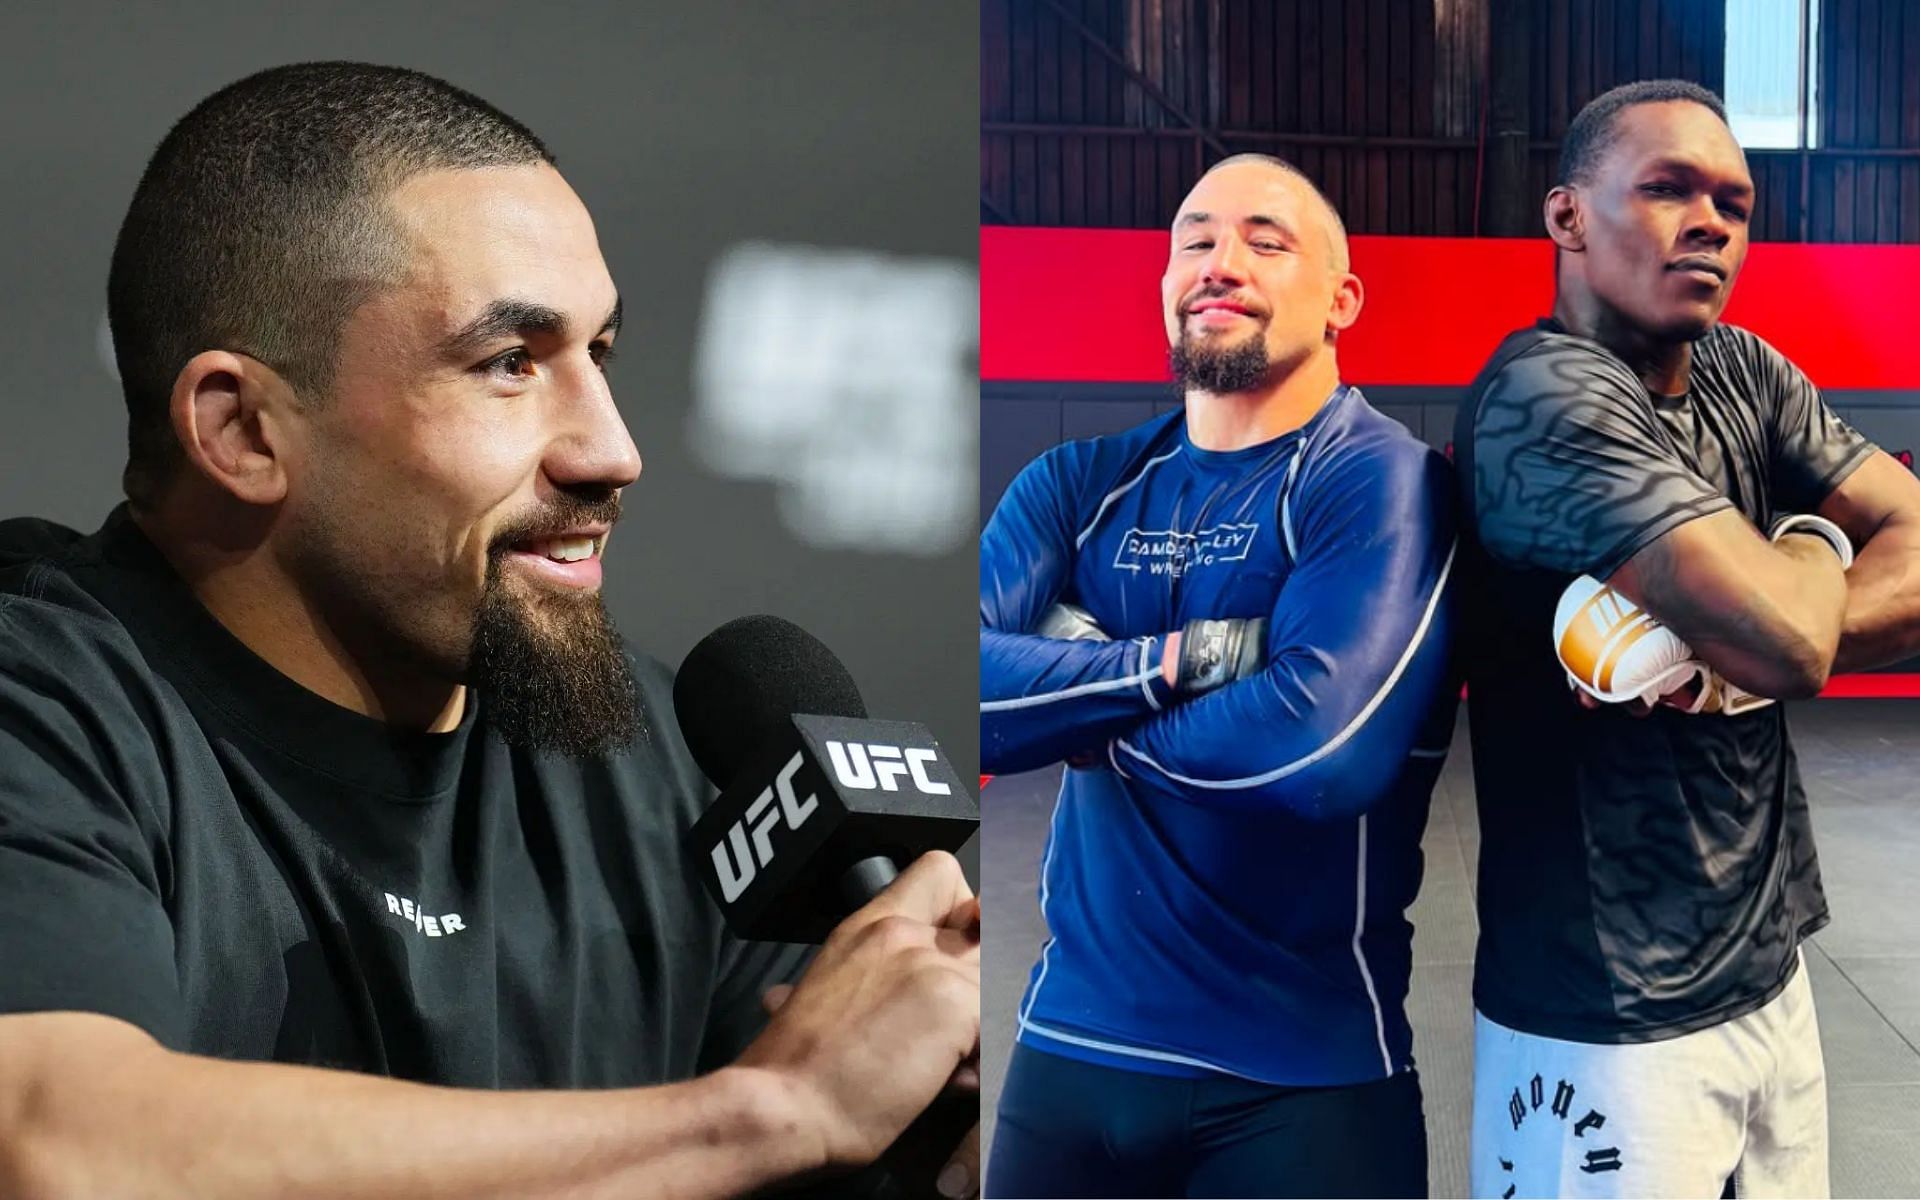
x: 1639, y: 878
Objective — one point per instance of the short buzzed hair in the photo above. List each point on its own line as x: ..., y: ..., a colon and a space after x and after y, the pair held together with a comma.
x: 1595, y: 127
x: 259, y: 226
x: 1336, y: 228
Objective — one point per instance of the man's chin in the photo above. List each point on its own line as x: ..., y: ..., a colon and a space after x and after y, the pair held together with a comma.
x: 1226, y: 340
x: 1687, y: 326
x: 1221, y: 368
x: 1671, y: 322
x: 551, y: 672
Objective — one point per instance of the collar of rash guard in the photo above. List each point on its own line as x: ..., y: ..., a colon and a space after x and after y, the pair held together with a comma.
x: 1263, y: 450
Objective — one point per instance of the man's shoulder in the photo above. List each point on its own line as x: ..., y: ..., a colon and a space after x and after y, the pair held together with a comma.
x: 25, y: 541
x: 1734, y: 338
x: 1109, y: 453
x: 39, y: 560
x: 80, y: 702
x: 1360, y: 425
x: 1082, y: 471
x: 49, y: 616
x: 1543, y: 378
x: 1544, y: 359
x: 1123, y: 441
x: 1361, y: 440
x: 1740, y: 354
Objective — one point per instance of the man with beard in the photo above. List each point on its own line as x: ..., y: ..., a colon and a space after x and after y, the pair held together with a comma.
x: 335, y: 838
x: 1668, y: 502
x: 1232, y: 624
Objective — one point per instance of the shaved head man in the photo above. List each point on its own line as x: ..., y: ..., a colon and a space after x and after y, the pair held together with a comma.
x: 1231, y: 624
x: 1299, y: 292
x: 343, y: 848
x: 1645, y: 481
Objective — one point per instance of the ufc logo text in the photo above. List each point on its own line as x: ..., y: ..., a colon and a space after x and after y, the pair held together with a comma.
x: 870, y: 765
x: 749, y: 842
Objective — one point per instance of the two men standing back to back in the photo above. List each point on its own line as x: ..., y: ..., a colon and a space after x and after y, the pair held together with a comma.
x: 1633, y: 477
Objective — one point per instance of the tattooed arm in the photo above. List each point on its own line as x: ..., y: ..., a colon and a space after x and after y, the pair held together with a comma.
x: 1879, y: 507
x: 1732, y: 600
x: 1574, y: 473
x: 1767, y: 617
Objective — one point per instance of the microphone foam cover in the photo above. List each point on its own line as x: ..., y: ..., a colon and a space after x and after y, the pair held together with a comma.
x: 744, y: 682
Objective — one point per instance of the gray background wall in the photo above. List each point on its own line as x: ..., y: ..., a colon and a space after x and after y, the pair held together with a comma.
x: 687, y: 129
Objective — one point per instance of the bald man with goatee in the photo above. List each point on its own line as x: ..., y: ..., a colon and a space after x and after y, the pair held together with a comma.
x: 1231, y: 624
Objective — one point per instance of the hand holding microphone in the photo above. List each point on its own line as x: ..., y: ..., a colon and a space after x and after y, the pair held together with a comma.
x: 819, y: 809
x: 885, y: 1016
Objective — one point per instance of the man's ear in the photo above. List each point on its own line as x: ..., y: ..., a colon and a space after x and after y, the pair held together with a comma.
x: 1348, y: 297
x: 228, y: 411
x: 1566, y: 218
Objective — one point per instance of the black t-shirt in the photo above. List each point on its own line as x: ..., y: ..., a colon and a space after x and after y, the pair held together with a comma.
x: 192, y: 842
x: 1640, y: 878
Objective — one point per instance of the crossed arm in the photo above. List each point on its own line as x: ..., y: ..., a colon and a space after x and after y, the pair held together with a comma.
x: 1879, y: 507
x: 1779, y: 618
x: 1356, y: 655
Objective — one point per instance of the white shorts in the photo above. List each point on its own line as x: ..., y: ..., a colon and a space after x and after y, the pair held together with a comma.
x: 1745, y: 1100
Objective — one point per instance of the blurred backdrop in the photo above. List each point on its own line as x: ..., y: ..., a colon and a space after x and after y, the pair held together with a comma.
x: 784, y: 195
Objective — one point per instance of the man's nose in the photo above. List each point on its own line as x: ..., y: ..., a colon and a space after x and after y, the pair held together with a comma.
x: 1226, y: 263
x: 1705, y: 222
x: 593, y: 447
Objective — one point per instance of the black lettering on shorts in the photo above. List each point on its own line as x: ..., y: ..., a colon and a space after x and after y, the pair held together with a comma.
x: 1531, y: 1099
x: 1602, y: 1160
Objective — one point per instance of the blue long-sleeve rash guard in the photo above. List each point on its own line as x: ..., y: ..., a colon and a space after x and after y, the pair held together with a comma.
x: 1227, y: 876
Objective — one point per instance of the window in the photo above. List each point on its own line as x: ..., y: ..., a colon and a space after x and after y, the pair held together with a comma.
x: 1770, y: 84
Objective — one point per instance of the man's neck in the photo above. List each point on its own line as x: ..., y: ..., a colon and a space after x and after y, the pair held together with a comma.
x: 1236, y: 420
x: 1666, y: 368
x: 257, y: 603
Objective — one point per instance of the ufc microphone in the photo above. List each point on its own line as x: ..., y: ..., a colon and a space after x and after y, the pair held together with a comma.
x: 820, y: 806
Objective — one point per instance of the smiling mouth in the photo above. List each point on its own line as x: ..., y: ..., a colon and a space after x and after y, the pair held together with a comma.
x: 565, y: 549
x: 1215, y: 312
x: 570, y: 562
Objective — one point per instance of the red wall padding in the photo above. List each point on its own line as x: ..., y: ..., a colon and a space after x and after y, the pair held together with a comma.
x: 1084, y: 305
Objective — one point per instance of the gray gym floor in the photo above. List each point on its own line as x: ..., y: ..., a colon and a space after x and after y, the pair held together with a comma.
x: 1861, y: 763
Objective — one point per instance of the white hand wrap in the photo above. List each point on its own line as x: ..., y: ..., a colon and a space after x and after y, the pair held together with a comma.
x: 1820, y: 527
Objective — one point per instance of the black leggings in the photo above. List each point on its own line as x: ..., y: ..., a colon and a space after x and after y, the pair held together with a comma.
x: 1072, y: 1128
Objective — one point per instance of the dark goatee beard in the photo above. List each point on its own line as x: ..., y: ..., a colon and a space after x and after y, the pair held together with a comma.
x: 562, y: 685
x: 1240, y: 367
